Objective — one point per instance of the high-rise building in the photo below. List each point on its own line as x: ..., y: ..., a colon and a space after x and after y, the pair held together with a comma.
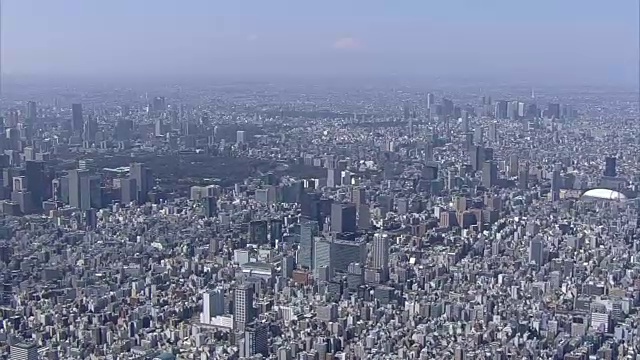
x: 464, y: 126
x: 159, y: 104
x: 308, y: 232
x: 243, y: 312
x: 35, y: 182
x: 90, y: 128
x: 240, y: 137
x: 32, y: 112
x: 333, y: 178
x: 24, y: 351
x: 553, y: 111
x: 555, y: 185
x: 501, y: 111
x: 358, y: 195
x: 493, y: 132
x: 322, y: 255
x: 212, y: 305
x: 336, y: 255
x: 476, y: 157
x: 210, y: 206
x: 256, y: 340
x: 406, y: 111
x: 478, y: 137
x: 610, y: 166
x: 144, y: 180
x: 275, y: 231
x: 76, y: 179
x: 77, y: 122
x: 523, y: 177
x: 489, y: 174
x: 536, y: 251
x: 447, y: 107
x: 531, y: 112
x: 128, y: 190
x: 380, y: 251
x: 258, y: 232
x: 431, y: 99
x: 343, y: 218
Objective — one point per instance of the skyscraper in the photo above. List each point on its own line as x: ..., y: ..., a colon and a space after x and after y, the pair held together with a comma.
x: 144, y: 180
x: 243, y: 306
x: 553, y: 111
x: 343, y: 218
x: 555, y: 185
x: 35, y: 182
x: 258, y: 232
x: 76, y: 177
x: 380, y: 251
x: 32, y: 112
x: 308, y: 232
x: 536, y: 251
x: 77, y: 122
x: 501, y: 111
x: 476, y: 157
x: 489, y: 174
x: 430, y: 101
x: 610, y: 166
x: 128, y: 190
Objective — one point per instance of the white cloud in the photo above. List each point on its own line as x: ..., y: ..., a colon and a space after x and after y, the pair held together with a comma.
x: 347, y: 43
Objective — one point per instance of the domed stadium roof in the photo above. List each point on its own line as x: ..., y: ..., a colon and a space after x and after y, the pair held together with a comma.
x: 603, y: 194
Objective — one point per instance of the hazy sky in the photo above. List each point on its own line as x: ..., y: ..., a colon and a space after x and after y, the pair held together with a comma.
x: 523, y: 39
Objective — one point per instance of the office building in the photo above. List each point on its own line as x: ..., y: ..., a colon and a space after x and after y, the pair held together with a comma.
x: 489, y: 174
x: 555, y: 185
x: 35, y: 182
x: 77, y: 122
x: 308, y: 232
x: 336, y: 255
x: 431, y: 99
x: 24, y: 351
x: 343, y: 218
x: 536, y: 251
x: 380, y: 251
x: 128, y: 191
x: 476, y: 157
x: 610, y: 166
x: 256, y: 340
x: 553, y: 111
x: 32, y: 112
x: 501, y: 111
x: 144, y: 180
x: 243, y: 306
x: 258, y: 232
x: 275, y: 231
x: 212, y: 305
x: 210, y: 206
x: 76, y: 180
x: 322, y: 255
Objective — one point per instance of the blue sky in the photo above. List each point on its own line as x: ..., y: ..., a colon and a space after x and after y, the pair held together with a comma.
x: 570, y: 39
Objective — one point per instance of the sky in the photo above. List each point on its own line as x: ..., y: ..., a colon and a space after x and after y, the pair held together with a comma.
x: 503, y: 39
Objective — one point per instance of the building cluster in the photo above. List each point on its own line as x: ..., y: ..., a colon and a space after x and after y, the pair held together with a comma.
x: 392, y: 225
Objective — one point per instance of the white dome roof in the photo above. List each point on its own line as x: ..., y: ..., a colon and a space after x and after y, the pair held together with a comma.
x: 604, y: 194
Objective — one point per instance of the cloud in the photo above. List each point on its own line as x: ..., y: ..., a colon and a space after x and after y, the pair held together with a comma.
x: 252, y: 37
x: 347, y: 43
